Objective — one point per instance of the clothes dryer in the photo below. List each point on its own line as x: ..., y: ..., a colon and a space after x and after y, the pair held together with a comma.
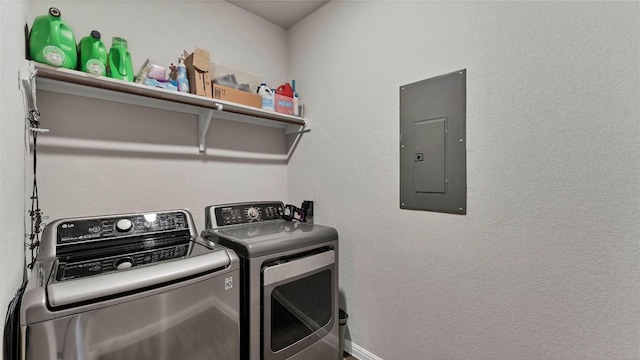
x: 289, y: 286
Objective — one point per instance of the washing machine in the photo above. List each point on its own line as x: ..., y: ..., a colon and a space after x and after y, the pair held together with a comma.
x: 138, y: 286
x: 289, y: 280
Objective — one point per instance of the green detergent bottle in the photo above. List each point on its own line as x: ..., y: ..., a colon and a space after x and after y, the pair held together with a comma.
x: 120, y: 64
x: 93, y: 54
x: 51, y: 41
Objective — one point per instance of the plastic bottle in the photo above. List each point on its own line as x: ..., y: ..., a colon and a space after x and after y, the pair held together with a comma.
x: 183, y: 82
x: 120, y: 64
x: 296, y: 99
x: 93, y: 54
x: 285, y: 90
x: 51, y: 41
x: 268, y: 98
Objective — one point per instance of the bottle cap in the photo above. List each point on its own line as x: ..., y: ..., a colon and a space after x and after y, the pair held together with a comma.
x: 119, y: 41
x: 54, y: 12
x: 95, y: 34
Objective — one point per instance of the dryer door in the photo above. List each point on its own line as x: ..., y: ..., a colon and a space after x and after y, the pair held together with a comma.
x: 298, y: 304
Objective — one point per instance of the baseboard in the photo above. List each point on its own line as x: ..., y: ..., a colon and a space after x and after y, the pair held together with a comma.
x: 359, y: 352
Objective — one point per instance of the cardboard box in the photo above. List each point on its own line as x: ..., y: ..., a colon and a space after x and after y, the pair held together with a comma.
x: 237, y: 96
x: 197, y: 64
x: 284, y: 104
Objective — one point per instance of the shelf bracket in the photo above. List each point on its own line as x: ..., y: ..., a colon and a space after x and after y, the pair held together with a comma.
x: 296, y: 129
x: 204, y: 119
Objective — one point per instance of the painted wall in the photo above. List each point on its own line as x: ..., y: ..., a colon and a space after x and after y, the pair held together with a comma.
x: 102, y: 158
x: 543, y: 266
x: 13, y: 15
x: 545, y: 263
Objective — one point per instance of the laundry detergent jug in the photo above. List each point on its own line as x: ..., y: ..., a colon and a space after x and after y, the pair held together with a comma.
x: 268, y: 98
x: 120, y: 64
x: 51, y: 41
x: 285, y: 90
x: 93, y: 54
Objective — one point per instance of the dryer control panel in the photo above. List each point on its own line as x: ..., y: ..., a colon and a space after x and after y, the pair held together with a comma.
x: 244, y: 213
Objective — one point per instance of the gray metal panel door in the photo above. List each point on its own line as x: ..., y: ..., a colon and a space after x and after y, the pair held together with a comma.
x: 429, y: 155
x: 433, y: 144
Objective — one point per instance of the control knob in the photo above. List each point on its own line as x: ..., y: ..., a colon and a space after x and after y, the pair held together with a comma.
x: 253, y: 214
x: 124, y: 225
x: 123, y: 263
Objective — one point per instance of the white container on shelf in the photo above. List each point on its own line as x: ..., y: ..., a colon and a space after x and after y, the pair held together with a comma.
x: 268, y: 97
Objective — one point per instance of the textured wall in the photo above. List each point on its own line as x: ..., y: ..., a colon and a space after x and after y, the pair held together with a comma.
x: 103, y: 157
x: 545, y: 263
x: 13, y: 14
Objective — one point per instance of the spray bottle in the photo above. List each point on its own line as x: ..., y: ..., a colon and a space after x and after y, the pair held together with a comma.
x: 183, y: 82
x: 296, y: 99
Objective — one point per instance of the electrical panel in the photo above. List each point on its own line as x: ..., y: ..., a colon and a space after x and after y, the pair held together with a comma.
x: 433, y: 159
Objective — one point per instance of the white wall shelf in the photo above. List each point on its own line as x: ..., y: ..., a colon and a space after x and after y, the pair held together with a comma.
x: 78, y: 83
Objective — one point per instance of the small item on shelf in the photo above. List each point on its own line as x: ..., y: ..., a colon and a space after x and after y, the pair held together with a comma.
x: 284, y: 99
x: 236, y: 96
x: 51, y: 41
x: 183, y: 82
x: 285, y: 89
x: 284, y: 104
x: 93, y: 54
x: 157, y: 72
x: 197, y: 64
x: 163, y: 84
x: 234, y: 78
x: 141, y: 76
x: 120, y: 64
x: 268, y: 97
x: 173, y: 72
x: 296, y: 99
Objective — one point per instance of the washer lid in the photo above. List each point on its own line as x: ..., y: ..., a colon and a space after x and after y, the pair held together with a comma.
x: 268, y: 237
x: 201, y: 260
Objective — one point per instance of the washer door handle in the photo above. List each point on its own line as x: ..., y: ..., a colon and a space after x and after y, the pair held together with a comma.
x: 134, y: 279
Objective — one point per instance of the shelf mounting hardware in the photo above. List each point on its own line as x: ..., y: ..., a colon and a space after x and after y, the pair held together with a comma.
x: 296, y: 129
x: 204, y: 120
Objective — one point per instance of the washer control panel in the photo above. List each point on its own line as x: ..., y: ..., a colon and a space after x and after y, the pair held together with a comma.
x: 248, y: 213
x: 74, y: 270
x: 86, y: 230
